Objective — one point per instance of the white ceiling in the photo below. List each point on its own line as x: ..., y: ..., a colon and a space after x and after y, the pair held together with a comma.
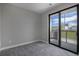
x: 35, y: 7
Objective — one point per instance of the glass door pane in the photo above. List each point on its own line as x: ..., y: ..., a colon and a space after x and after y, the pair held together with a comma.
x: 54, y: 29
x: 69, y: 29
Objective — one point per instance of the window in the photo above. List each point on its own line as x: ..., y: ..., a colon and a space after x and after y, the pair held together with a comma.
x: 63, y: 29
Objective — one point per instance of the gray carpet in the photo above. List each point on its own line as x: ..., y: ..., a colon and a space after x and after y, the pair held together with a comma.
x: 36, y: 49
x: 69, y: 46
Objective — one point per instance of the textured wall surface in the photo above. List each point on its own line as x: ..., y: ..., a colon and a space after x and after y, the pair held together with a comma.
x: 18, y: 26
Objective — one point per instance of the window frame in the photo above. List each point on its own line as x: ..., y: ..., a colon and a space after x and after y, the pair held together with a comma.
x: 59, y: 12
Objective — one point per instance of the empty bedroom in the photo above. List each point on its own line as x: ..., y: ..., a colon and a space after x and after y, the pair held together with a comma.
x: 39, y: 29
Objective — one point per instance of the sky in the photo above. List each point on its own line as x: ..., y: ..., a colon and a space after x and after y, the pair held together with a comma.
x: 70, y: 17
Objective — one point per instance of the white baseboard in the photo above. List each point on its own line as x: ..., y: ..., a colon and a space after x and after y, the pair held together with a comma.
x: 17, y: 45
x: 44, y: 41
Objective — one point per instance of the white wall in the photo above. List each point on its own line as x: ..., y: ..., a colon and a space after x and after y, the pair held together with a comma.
x: 0, y: 22
x: 45, y: 19
x: 19, y: 26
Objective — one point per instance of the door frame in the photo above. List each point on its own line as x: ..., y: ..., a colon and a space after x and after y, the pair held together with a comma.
x: 59, y: 12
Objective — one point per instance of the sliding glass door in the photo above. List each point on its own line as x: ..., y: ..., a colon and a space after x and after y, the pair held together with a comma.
x: 54, y: 29
x: 63, y: 29
x: 69, y: 29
